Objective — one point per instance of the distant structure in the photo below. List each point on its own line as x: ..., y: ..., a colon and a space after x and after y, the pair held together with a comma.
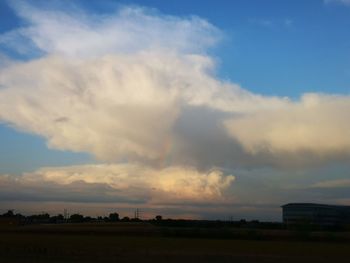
x: 65, y: 214
x: 137, y: 214
x: 316, y: 214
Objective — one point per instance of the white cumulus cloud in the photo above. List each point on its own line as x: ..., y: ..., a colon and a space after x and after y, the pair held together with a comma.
x: 171, y: 184
x: 121, y: 87
x: 318, y: 124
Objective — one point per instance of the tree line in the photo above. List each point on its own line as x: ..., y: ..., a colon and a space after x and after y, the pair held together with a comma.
x: 73, y: 218
x: 157, y: 220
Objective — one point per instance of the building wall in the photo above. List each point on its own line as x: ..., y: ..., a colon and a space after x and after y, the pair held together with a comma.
x: 324, y: 215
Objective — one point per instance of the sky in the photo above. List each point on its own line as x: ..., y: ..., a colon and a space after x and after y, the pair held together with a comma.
x: 188, y: 109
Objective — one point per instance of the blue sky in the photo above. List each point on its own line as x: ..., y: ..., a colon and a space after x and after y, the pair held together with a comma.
x: 267, y: 55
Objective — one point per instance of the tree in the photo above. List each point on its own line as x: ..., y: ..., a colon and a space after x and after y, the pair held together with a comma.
x: 9, y: 213
x: 114, y: 217
x: 126, y: 219
x: 76, y: 218
x: 60, y: 217
x: 159, y: 218
x: 56, y: 219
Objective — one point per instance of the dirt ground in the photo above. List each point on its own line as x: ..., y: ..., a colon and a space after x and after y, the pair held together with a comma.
x: 141, y: 243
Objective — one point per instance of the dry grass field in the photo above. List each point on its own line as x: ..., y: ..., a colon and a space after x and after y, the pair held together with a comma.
x: 132, y: 242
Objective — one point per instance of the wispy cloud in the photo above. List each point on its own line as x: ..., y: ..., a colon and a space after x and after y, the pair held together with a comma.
x: 288, y: 22
x: 343, y: 2
x: 333, y: 183
x: 128, y: 30
x: 273, y: 23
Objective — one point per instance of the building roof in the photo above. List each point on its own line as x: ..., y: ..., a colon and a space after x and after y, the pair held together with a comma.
x: 315, y: 205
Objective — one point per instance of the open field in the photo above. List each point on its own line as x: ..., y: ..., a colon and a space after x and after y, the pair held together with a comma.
x: 145, y: 243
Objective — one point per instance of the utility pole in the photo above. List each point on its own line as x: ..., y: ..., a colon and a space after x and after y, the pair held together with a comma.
x: 137, y: 213
x: 65, y: 214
